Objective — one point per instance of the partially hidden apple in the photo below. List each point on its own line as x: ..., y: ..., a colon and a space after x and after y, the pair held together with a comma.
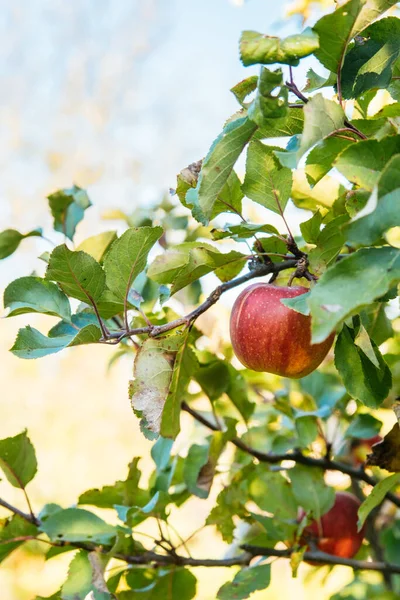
x: 268, y: 336
x: 336, y: 531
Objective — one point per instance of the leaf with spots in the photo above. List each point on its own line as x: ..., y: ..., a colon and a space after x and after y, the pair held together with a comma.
x: 162, y: 371
x: 78, y: 525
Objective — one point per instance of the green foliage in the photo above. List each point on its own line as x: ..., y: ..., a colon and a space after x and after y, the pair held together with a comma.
x: 10, y: 239
x: 33, y: 294
x: 246, y: 582
x: 67, y: 207
x: 262, y: 443
x: 18, y: 459
x: 266, y: 181
x: 376, y: 497
x: 256, y: 48
x: 127, y: 258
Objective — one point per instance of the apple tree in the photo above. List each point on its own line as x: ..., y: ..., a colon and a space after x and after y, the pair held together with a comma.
x: 146, y: 292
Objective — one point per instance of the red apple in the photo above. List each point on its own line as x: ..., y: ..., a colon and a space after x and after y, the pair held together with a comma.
x: 360, y: 448
x: 268, y: 336
x: 336, y: 531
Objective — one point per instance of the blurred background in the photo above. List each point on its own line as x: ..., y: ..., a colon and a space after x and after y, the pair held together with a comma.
x: 116, y: 97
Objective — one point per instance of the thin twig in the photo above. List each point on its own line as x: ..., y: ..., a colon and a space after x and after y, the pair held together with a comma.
x: 172, y: 558
x: 27, y: 517
x: 324, y: 559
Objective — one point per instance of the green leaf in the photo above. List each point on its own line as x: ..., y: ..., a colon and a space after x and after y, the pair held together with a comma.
x: 30, y: 343
x: 122, y: 493
x: 376, y: 322
x: 363, y: 341
x: 351, y: 284
x: 196, y: 460
x: 78, y: 525
x: 78, y: 274
x: 67, y: 207
x: 242, y: 89
x: 78, y: 322
x: 355, y: 201
x: 219, y: 162
x: 231, y: 501
x: 257, y: 48
x: 371, y: 10
x: 320, y: 159
x: 316, y: 82
x: 189, y: 261
x: 98, y: 245
x: 326, y: 389
x: 368, y: 65
x: 323, y: 195
x: 307, y: 429
x: 229, y: 200
x: 34, y: 294
x: 238, y: 393
x: 79, y: 580
x: 14, y: 527
x: 18, y: 459
x: 184, y: 366
x: 245, y: 582
x: 266, y: 181
x: 329, y: 243
x: 160, y: 584
x: 243, y: 231
x: 161, y: 452
x: 287, y: 126
x: 310, y: 490
x: 213, y: 378
x: 335, y: 32
x: 369, y: 229
x: 363, y: 380
x: 363, y: 426
x: 271, y: 98
x: 83, y: 581
x: 128, y: 257
x: 363, y: 162
x: 376, y: 496
x: 298, y: 303
x: 165, y: 267
x: 310, y: 229
x: 274, y: 494
x: 11, y: 238
x: 321, y: 117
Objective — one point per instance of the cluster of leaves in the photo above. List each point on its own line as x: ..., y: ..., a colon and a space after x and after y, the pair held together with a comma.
x: 345, y: 171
